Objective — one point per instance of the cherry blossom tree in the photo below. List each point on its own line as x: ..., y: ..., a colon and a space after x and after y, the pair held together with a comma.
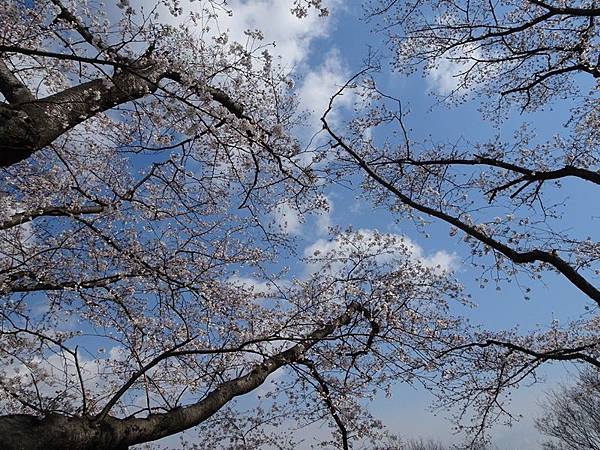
x: 502, y: 197
x: 144, y: 154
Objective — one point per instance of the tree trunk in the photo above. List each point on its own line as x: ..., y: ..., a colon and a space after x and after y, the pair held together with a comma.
x: 57, y: 432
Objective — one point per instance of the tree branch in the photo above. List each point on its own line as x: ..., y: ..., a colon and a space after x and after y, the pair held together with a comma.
x: 29, y: 127
x: 52, y: 211
x: 528, y: 174
x: 567, y: 10
x: 62, y: 285
x: 12, y: 88
x: 160, y: 425
x: 62, y: 56
x: 324, y: 390
x: 531, y: 256
x: 561, y: 354
x: 84, y: 31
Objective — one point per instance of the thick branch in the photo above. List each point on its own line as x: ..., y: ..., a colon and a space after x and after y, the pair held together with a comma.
x: 24, y: 432
x: 29, y: 127
x: 175, y: 351
x: 12, y: 88
x: 32, y: 126
x: 567, y: 10
x: 161, y: 425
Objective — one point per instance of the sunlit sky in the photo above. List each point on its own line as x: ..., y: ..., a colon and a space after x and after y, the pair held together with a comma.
x: 321, y: 54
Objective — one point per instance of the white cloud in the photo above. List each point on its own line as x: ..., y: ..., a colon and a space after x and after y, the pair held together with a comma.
x: 442, y: 78
x: 287, y: 218
x: 320, y: 85
x: 444, y: 260
x: 256, y: 286
x: 440, y: 260
x: 446, y: 76
x: 292, y: 36
x: 274, y: 19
